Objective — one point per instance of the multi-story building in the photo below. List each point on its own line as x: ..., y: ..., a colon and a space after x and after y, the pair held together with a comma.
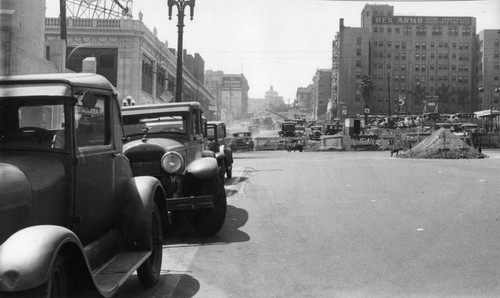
x: 409, y: 59
x: 304, y: 101
x: 350, y: 61
x: 234, y: 96
x: 124, y: 51
x: 321, y: 92
x: 488, y: 69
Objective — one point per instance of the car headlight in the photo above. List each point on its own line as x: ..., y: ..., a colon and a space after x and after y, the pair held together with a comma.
x: 171, y: 162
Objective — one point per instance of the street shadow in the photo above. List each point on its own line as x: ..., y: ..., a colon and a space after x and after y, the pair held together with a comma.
x: 171, y: 284
x: 229, y: 233
x: 235, y: 180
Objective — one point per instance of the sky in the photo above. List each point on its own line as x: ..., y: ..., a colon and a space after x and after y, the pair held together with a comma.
x: 280, y: 43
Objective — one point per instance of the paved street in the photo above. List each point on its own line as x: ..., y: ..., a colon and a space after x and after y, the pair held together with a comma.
x: 348, y: 224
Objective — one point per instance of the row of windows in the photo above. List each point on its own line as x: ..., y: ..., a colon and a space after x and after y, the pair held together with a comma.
x: 422, y: 30
x: 423, y: 67
x: 380, y: 93
x: 422, y: 56
x: 423, y: 45
x: 420, y: 79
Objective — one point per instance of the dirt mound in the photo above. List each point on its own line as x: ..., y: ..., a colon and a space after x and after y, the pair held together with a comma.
x: 442, y: 144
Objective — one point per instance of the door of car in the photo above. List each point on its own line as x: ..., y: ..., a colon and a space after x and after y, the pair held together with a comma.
x: 195, y: 143
x: 95, y: 208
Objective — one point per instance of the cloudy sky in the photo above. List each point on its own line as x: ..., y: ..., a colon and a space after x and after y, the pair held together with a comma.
x: 280, y: 43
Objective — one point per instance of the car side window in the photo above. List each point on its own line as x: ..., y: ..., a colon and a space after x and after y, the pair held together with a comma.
x: 91, y: 129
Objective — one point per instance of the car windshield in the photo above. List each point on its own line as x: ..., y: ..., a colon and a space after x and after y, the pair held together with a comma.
x: 154, y: 124
x: 30, y: 123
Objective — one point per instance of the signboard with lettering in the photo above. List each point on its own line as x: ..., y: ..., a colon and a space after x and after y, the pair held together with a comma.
x: 412, y: 20
x: 231, y: 84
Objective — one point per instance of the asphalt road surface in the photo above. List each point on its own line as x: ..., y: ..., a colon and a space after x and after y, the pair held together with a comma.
x: 344, y: 224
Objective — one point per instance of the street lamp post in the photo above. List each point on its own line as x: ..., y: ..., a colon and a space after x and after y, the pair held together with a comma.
x: 497, y: 90
x: 181, y: 6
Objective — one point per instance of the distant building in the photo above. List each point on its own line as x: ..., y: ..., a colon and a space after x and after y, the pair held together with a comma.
x: 321, y: 92
x: 488, y: 69
x: 304, y: 101
x: 406, y: 59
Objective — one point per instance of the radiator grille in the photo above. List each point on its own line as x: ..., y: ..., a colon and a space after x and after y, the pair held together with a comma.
x: 14, y: 215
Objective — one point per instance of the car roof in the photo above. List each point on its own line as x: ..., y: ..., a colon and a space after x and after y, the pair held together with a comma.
x: 52, y: 84
x: 159, y: 108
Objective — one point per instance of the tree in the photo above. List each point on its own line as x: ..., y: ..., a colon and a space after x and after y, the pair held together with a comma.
x: 444, y: 93
x: 418, y: 95
x: 463, y: 95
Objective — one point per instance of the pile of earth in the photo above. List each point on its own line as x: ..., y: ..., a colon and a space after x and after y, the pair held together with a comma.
x: 442, y: 144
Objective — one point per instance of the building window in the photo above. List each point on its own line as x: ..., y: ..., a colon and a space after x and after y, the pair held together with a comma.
x: 453, y: 45
x: 423, y: 45
x: 396, y: 30
x: 407, y: 30
x: 417, y: 56
x: 453, y: 30
x: 396, y: 56
x: 403, y: 45
x: 403, y: 56
x: 496, y: 43
x: 381, y: 30
x: 358, y: 52
x: 421, y: 30
x: 433, y: 55
x: 375, y: 29
x: 389, y: 30
x: 496, y: 54
x: 432, y: 45
x: 380, y: 43
x: 423, y: 56
x: 396, y: 45
x: 423, y: 67
x: 358, y: 40
x: 403, y: 67
x: 388, y: 55
x: 437, y: 30
x: 147, y: 75
x: 417, y: 46
x: 160, y: 81
x: 388, y: 65
x: 466, y: 30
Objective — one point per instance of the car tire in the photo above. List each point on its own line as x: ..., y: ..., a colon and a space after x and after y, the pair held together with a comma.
x: 56, y: 286
x: 209, y: 221
x: 149, y: 271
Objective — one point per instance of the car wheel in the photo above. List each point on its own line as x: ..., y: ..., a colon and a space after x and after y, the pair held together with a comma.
x: 149, y: 271
x: 210, y: 221
x: 56, y: 286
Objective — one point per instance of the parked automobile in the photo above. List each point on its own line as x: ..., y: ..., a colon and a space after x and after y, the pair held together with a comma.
x: 216, y: 142
x: 72, y: 217
x: 242, y: 141
x: 331, y: 143
x: 315, y: 132
x: 166, y: 141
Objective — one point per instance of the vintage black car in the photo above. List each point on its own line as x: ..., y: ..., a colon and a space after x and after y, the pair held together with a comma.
x: 72, y: 216
x: 241, y: 141
x: 166, y: 141
x: 216, y: 141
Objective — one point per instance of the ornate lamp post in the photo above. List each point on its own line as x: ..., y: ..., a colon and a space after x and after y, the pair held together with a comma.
x: 181, y: 6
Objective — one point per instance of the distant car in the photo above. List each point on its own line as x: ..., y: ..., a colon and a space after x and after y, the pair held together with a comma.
x: 331, y: 143
x: 216, y: 141
x: 242, y: 141
x: 315, y: 132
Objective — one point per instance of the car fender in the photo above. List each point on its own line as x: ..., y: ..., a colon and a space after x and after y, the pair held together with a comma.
x: 27, y: 255
x: 139, y: 196
x: 203, y: 168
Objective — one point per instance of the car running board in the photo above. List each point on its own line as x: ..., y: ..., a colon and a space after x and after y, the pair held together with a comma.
x: 113, y: 274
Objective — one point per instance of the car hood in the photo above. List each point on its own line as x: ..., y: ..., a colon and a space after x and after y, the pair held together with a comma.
x: 164, y: 144
x: 21, y: 174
